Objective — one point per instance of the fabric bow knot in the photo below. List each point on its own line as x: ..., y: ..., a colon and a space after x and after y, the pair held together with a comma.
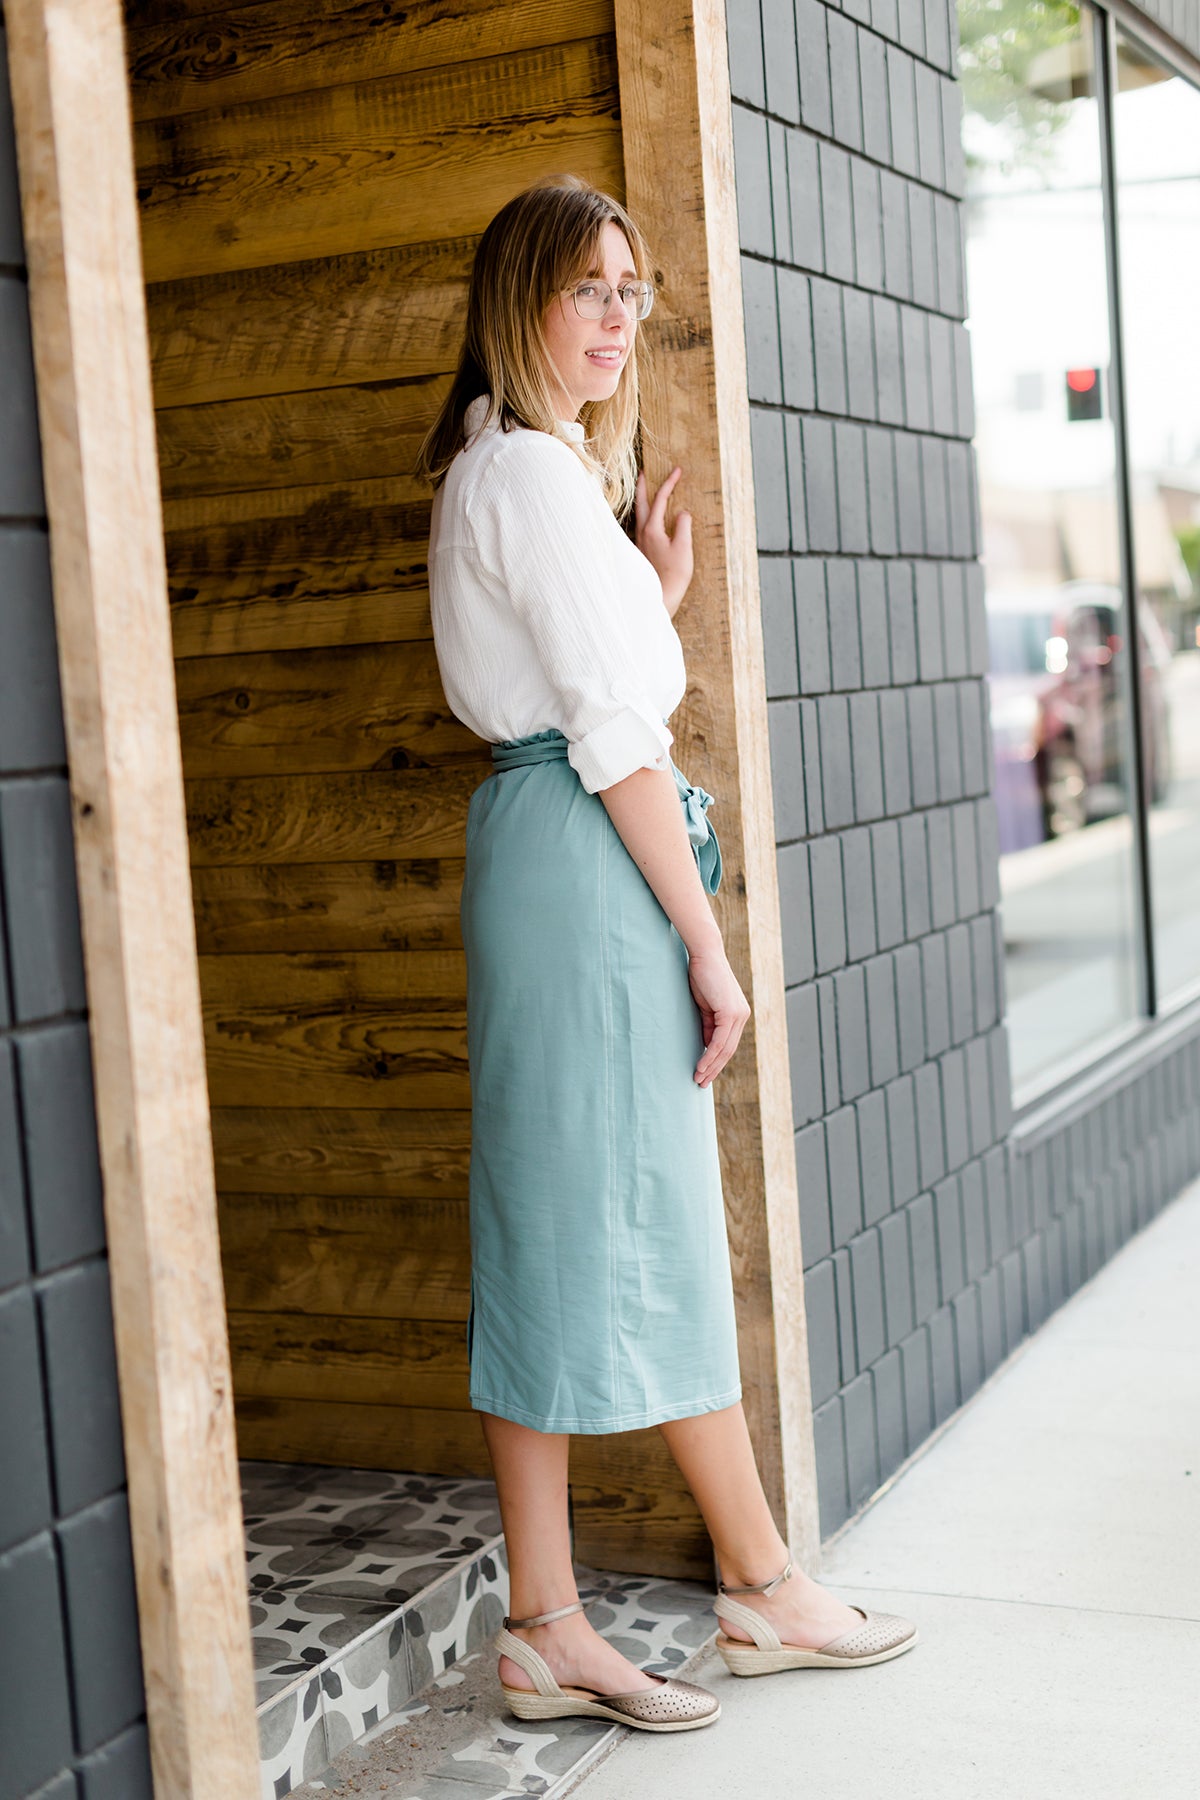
x: 702, y: 837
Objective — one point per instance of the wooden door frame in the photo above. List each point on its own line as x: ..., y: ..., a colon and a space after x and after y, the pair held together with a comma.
x: 100, y: 470
x: 677, y: 124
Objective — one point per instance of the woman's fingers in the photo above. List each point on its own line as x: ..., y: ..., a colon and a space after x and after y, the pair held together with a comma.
x: 721, y: 1046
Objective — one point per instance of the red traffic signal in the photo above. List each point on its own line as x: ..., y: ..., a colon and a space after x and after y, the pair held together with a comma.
x: 1084, y: 395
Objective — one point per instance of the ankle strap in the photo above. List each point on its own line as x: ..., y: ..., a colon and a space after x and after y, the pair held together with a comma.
x: 762, y: 1587
x: 560, y: 1612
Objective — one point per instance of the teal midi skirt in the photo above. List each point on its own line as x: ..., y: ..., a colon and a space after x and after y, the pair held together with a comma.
x: 601, y: 1287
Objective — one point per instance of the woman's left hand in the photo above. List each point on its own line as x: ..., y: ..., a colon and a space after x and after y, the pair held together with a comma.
x: 671, y: 555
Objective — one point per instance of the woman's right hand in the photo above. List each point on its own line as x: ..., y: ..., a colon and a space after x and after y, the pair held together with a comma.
x: 724, y: 1010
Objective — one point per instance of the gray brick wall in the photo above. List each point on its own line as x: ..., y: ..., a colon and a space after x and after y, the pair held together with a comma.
x: 926, y: 1259
x: 70, y: 1669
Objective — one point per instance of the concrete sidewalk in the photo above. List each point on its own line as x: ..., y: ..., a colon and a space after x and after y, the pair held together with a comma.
x: 1047, y: 1542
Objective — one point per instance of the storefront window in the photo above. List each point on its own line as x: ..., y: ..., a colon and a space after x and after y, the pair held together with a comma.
x: 1039, y: 323
x: 1156, y: 125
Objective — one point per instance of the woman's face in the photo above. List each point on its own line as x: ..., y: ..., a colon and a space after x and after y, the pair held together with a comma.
x: 589, y: 354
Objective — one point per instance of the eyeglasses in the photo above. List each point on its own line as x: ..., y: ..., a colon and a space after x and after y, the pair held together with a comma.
x: 593, y: 298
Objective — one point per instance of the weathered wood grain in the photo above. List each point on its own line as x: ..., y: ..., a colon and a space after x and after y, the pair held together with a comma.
x: 362, y: 165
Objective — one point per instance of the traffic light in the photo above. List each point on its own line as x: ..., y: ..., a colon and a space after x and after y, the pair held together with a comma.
x: 1084, y: 395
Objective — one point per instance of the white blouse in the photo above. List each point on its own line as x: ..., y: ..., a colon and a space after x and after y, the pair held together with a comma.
x: 545, y: 613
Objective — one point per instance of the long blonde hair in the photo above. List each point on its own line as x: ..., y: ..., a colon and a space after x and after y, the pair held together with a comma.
x: 541, y: 242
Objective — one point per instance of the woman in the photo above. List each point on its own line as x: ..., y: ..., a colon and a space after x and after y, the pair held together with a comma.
x: 600, y: 1002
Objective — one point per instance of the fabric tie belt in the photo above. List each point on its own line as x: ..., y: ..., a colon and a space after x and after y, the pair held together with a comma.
x: 551, y: 746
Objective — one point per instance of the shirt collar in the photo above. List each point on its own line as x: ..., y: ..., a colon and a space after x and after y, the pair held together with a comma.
x: 476, y: 412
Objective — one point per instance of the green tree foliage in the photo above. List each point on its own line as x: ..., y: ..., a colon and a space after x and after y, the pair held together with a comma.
x: 1001, y: 44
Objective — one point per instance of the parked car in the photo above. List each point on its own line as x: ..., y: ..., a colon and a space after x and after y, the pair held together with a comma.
x: 1056, y: 683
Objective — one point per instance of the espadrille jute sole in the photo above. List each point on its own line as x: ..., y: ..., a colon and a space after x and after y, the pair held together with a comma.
x: 528, y: 1705
x: 746, y: 1659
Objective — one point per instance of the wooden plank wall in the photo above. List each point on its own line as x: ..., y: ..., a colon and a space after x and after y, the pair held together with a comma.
x: 312, y: 182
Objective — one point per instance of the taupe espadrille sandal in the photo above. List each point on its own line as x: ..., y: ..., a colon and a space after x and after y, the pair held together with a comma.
x: 880, y: 1636
x: 672, y: 1706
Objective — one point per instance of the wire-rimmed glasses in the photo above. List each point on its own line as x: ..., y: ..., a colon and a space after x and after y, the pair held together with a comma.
x: 593, y: 298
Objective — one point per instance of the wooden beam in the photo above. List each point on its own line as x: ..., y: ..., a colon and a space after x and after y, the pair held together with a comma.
x: 75, y: 160
x: 677, y: 126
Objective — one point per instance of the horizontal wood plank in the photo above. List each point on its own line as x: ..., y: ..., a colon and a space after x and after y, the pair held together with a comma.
x: 371, y: 163
x: 320, y: 323
x: 360, y: 706
x: 331, y: 818
x: 374, y: 1362
x: 379, y: 1152
x: 193, y: 54
x: 390, y: 905
x: 350, y: 1256
x: 419, y: 1440
x: 369, y: 430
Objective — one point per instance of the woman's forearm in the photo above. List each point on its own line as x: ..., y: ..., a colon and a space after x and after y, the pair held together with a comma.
x: 645, y: 810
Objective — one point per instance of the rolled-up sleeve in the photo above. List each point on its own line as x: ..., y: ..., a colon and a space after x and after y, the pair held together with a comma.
x: 540, y: 531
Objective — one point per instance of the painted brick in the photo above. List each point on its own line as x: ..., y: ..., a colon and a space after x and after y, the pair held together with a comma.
x: 102, y: 1625
x: 1013, y: 1294
x: 943, y: 901
x: 968, y: 1341
x: 46, y: 957
x: 844, y: 80
x: 953, y: 1068
x: 812, y: 1181
x: 991, y: 1320
x: 918, y: 1388
x: 885, y: 858
x: 902, y: 1138
x: 755, y: 227
x: 961, y: 992
x: 810, y: 737
x: 798, y: 377
x: 804, y: 1046
x: 866, y: 1273
x: 845, y: 644
x: 930, y: 148
x: 770, y: 480
x: 881, y: 493
x: 859, y: 890
x: 868, y: 223
x: 853, y: 1061
x: 54, y: 1079
x: 944, y: 1364
x: 779, y: 49
x: 975, y: 1244
x: 779, y: 627
x: 876, y: 121
x: 819, y: 487
x: 873, y: 623
x: 914, y: 344
x: 910, y: 510
x: 804, y: 200
x: 851, y: 467
x: 783, y: 731
x: 860, y: 360
x: 844, y: 1288
x: 883, y: 1026
x: 812, y: 625
x: 897, y: 264
x: 31, y: 734
x: 845, y: 1191
x: 120, y: 1770
x: 828, y: 903
x: 793, y: 458
x: 820, y: 1305
x: 897, y: 1276
x: 862, y: 1456
x: 889, y: 372
x: 922, y: 247
x: 747, y: 77
x: 837, y: 224
x: 87, y: 1454
x: 836, y: 783
x: 902, y: 640
x: 833, y: 1499
x: 15, y: 1258
x: 816, y: 108
x: 934, y: 494
x: 871, y: 1112
x: 931, y: 1150
x: 910, y: 1006
x: 902, y: 108
x: 912, y: 25
x: 36, y: 1740
x: 25, y: 1498
x: 761, y: 306
x: 795, y: 902
x: 866, y: 755
x: 888, y: 1376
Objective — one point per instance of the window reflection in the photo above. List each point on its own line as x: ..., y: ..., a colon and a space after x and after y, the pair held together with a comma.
x: 1039, y: 326
x: 1157, y: 139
